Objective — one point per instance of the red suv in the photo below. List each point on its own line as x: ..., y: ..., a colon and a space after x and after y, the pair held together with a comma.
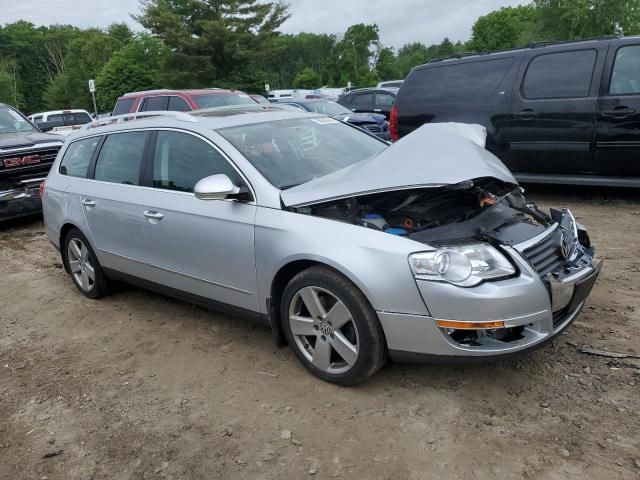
x: 179, y: 100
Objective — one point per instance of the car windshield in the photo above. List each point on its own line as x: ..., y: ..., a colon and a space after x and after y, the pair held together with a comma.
x: 12, y: 122
x: 223, y: 99
x: 328, y: 108
x: 292, y: 152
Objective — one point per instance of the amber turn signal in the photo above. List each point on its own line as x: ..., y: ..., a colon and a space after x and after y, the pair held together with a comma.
x: 469, y: 325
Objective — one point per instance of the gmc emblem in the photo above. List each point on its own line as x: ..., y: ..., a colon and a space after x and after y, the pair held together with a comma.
x: 21, y: 161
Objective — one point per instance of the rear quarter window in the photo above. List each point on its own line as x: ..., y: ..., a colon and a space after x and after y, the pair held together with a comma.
x: 77, y: 158
x: 559, y: 75
x: 471, y: 82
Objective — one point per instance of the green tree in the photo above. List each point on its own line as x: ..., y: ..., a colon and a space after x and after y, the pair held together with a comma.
x: 504, y: 28
x: 213, y: 40
x: 355, y: 52
x: 387, y: 65
x: 410, y: 55
x: 307, y: 78
x: 574, y: 19
x: 138, y: 66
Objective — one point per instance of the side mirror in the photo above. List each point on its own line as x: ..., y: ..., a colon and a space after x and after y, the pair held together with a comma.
x: 215, y: 187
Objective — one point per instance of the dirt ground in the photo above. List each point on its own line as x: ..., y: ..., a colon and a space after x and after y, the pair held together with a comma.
x: 141, y: 386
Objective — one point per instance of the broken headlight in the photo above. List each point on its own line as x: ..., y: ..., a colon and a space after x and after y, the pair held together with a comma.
x: 462, y: 265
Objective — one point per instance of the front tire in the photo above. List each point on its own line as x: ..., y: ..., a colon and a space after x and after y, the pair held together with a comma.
x: 331, y: 327
x: 81, y: 263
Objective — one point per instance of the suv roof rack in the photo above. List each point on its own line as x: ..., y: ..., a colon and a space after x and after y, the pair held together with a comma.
x: 142, y: 92
x: 128, y: 117
x: 538, y: 44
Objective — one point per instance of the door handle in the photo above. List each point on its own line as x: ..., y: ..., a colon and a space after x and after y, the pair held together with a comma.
x: 526, y: 114
x: 619, y: 112
x: 153, y: 215
x: 88, y: 203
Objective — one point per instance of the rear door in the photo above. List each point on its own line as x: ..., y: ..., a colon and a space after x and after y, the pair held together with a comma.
x: 111, y: 203
x: 203, y: 247
x: 618, y: 124
x: 553, y: 110
x: 362, y: 102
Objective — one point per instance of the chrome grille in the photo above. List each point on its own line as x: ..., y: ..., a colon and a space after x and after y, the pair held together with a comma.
x: 21, y: 173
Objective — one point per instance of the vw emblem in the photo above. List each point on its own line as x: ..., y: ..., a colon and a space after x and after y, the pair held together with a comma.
x: 325, y: 329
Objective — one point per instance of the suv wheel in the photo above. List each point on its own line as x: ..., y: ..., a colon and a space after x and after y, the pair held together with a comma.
x: 82, y: 264
x: 331, y: 327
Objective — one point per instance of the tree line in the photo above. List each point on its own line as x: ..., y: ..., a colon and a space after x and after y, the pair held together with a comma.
x: 237, y: 44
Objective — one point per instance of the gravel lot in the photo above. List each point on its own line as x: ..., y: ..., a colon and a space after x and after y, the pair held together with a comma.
x: 141, y: 386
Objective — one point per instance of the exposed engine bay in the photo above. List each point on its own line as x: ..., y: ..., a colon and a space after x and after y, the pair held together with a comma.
x: 480, y: 209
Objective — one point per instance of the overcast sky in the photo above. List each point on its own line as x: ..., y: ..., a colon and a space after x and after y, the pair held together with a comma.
x: 400, y: 21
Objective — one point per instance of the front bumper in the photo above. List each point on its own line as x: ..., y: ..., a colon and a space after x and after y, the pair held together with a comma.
x: 534, y: 310
x: 20, y: 202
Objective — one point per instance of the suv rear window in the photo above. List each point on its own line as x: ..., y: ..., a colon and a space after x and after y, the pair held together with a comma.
x: 559, y: 75
x: 457, y: 83
x: 77, y: 158
x: 123, y: 106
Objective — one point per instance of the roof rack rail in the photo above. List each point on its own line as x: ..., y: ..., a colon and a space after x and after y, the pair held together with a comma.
x: 127, y: 117
x: 538, y: 44
x: 141, y: 92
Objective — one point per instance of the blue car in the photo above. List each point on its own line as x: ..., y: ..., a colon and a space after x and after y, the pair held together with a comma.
x: 373, y: 123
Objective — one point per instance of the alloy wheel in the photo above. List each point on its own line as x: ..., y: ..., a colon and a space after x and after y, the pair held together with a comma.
x: 82, y: 270
x: 324, y: 330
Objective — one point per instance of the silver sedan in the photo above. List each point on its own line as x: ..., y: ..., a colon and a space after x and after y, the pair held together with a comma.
x: 351, y: 250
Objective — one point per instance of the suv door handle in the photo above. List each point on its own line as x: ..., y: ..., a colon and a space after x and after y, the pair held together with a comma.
x: 619, y: 112
x: 88, y: 203
x: 526, y: 114
x: 150, y: 214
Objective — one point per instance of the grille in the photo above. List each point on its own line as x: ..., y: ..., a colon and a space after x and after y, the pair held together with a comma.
x: 26, y: 172
x: 545, y: 257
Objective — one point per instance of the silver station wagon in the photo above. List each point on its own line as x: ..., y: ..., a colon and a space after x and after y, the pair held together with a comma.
x: 351, y: 250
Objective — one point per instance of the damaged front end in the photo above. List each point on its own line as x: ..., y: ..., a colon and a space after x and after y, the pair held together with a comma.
x: 479, y: 235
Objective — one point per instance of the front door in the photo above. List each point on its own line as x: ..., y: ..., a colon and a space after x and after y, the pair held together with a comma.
x: 203, y: 247
x: 618, y: 127
x: 552, y: 112
x: 111, y: 203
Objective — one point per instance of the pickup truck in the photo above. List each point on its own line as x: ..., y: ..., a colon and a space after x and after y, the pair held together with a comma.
x: 26, y: 155
x: 61, y: 122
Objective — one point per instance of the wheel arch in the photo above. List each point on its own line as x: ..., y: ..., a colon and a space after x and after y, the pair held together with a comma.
x: 284, y: 275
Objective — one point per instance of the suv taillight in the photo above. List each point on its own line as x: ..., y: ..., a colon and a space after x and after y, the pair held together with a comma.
x: 41, y: 190
x: 393, y: 123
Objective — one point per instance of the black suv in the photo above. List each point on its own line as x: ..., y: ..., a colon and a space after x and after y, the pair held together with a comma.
x: 554, y: 112
x: 369, y: 100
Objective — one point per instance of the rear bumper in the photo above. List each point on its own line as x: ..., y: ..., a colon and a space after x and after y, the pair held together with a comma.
x: 20, y: 202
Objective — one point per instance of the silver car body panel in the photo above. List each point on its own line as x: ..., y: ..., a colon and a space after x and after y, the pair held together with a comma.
x: 425, y: 158
x: 231, y: 251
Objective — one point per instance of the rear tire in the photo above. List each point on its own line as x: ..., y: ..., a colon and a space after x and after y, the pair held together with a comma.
x: 81, y: 263
x: 331, y: 327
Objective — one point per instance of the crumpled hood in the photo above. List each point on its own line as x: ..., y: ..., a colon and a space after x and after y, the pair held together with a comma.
x: 427, y: 157
x: 26, y: 139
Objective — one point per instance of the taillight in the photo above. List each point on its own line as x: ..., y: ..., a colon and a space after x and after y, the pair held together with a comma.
x: 41, y: 190
x: 393, y: 123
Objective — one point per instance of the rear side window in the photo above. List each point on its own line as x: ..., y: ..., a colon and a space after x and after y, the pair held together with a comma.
x: 625, y: 78
x: 120, y: 158
x: 182, y: 160
x: 559, y: 75
x: 55, y: 120
x: 384, y: 100
x: 458, y: 83
x: 363, y: 101
x: 80, y: 118
x: 77, y: 158
x: 154, y: 104
x: 123, y: 106
x: 178, y: 104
